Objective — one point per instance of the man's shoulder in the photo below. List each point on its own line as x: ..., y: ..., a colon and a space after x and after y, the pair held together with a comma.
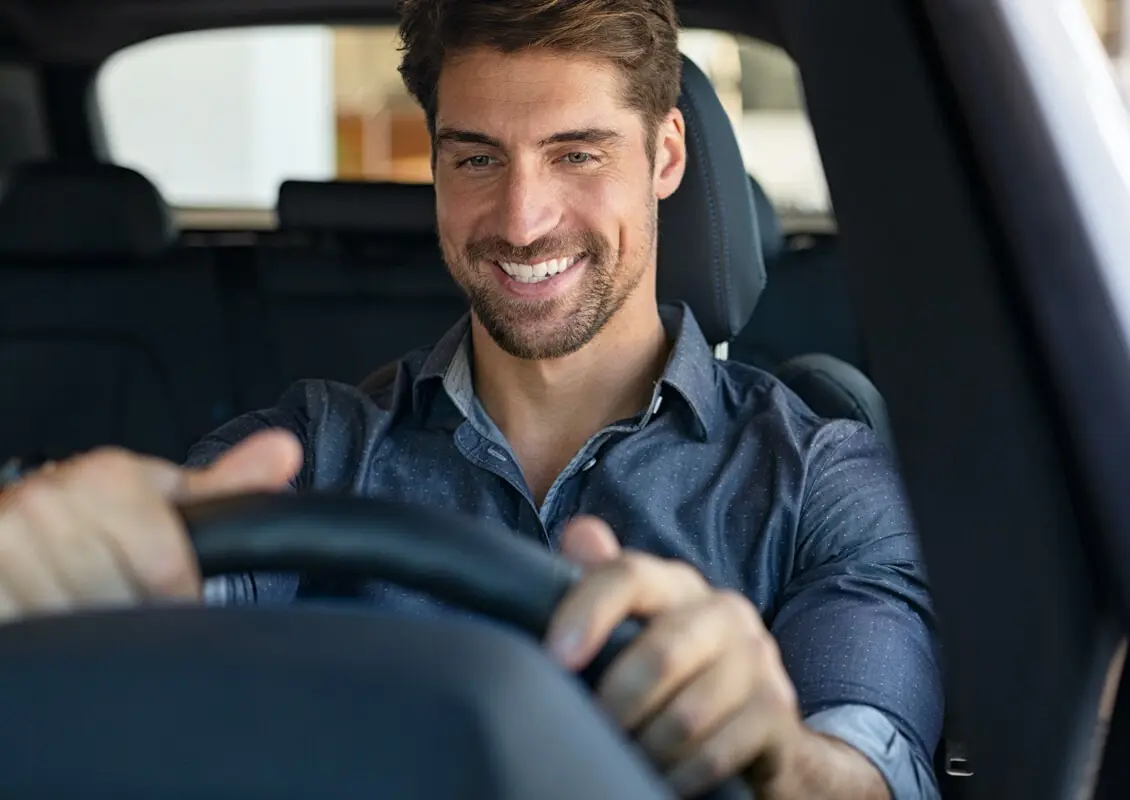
x: 386, y: 385
x: 760, y: 402
x: 324, y: 412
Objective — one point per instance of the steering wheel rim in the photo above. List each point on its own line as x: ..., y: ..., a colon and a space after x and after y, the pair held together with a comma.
x: 456, y: 559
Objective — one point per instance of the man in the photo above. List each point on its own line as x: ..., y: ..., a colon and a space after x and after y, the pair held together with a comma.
x: 789, y: 636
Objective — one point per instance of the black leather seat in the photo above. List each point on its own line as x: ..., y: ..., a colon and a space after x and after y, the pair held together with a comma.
x: 710, y: 252
x: 107, y: 334
x: 806, y: 306
x: 354, y: 278
x: 794, y: 334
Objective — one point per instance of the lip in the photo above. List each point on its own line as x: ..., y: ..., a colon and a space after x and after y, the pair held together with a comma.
x: 542, y: 289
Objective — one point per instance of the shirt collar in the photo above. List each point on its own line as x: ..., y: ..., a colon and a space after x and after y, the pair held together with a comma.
x: 455, y: 345
x: 690, y: 367
x: 689, y: 371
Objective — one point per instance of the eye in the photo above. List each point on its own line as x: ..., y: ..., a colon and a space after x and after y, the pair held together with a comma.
x: 578, y: 158
x: 477, y: 162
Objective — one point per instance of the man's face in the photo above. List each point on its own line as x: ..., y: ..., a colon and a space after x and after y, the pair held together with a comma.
x: 546, y: 195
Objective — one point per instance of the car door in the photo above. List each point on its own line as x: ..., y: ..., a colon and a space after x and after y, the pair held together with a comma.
x: 978, y: 156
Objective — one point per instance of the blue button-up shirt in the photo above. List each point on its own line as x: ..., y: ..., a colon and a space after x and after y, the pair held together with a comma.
x: 726, y: 469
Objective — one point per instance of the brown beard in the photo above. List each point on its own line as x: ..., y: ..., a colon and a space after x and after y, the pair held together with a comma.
x: 506, y: 320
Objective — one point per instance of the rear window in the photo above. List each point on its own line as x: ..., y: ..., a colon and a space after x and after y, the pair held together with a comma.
x: 219, y: 119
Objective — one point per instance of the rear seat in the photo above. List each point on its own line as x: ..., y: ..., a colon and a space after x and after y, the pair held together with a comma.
x: 354, y: 278
x: 806, y: 307
x: 107, y: 334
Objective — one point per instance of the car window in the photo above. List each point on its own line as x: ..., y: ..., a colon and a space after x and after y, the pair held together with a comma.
x: 218, y: 119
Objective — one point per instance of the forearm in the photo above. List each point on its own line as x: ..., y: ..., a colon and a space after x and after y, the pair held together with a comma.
x: 818, y: 767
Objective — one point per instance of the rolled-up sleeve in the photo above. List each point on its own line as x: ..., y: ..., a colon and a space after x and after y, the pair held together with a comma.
x: 873, y: 734
x: 855, y: 623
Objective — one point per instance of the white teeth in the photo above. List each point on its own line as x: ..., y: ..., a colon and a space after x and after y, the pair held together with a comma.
x: 534, y: 273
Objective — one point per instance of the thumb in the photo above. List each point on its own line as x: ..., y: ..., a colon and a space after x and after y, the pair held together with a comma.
x: 589, y: 541
x: 264, y: 461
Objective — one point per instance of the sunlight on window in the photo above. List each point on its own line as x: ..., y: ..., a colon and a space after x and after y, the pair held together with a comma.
x: 221, y: 118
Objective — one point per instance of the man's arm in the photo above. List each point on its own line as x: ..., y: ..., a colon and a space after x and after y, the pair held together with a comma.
x: 291, y: 414
x: 856, y: 627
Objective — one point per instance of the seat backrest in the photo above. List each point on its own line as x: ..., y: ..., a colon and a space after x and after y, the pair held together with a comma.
x: 108, y: 334
x: 837, y: 390
x: 354, y: 278
x: 802, y: 329
x: 806, y: 306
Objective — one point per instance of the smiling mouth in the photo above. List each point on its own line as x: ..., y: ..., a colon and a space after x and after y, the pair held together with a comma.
x: 536, y: 273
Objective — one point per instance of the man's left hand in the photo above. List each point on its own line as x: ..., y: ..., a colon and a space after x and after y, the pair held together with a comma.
x: 703, y: 689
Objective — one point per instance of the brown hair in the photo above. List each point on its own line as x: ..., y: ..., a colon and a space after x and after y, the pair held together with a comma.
x: 639, y: 36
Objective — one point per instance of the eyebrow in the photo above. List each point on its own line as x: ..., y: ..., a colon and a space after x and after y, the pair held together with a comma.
x: 593, y: 136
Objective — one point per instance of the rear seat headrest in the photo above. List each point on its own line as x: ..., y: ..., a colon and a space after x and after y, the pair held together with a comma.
x: 51, y: 209
x: 357, y: 206
x: 768, y: 222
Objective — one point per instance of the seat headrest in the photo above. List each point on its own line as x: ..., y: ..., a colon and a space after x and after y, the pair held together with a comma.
x: 51, y: 209
x: 768, y: 222
x: 358, y: 207
x: 709, y: 249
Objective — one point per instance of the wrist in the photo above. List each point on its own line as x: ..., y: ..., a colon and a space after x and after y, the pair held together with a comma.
x: 811, y: 766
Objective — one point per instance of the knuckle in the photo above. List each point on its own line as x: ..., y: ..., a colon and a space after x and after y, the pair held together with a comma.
x: 106, y: 466
x: 686, y: 574
x: 161, y: 556
x: 36, y: 499
x: 635, y: 566
x: 168, y: 574
x: 684, y: 721
x: 786, y: 695
x: 715, y: 763
x: 662, y: 656
x: 740, y: 609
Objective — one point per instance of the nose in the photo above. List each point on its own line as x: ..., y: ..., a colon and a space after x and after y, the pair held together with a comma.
x: 531, y: 208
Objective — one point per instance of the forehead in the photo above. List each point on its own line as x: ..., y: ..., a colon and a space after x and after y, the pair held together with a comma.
x: 534, y: 93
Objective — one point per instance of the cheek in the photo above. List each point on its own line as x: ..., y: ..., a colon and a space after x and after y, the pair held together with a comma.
x: 462, y: 213
x: 600, y: 205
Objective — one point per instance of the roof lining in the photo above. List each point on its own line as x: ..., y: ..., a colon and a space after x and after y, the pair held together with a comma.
x: 89, y: 31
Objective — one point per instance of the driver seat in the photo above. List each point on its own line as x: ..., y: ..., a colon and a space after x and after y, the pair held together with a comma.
x: 712, y: 256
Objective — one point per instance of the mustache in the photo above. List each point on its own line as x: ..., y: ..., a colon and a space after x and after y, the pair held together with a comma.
x: 495, y: 248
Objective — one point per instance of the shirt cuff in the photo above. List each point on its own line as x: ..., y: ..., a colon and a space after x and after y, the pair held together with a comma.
x: 873, y: 734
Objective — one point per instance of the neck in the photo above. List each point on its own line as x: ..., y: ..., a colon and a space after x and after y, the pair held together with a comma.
x: 561, y: 403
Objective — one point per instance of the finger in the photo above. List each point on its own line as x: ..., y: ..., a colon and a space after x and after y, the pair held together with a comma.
x: 27, y: 579
x: 114, y: 498
x: 699, y: 707
x: 48, y: 523
x: 634, y: 584
x: 731, y: 747
x: 589, y: 541
x: 673, y: 649
x: 264, y: 461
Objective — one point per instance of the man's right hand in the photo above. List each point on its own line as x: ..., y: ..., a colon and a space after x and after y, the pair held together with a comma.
x: 102, y: 529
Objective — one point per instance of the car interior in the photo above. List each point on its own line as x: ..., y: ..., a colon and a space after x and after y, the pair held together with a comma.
x: 120, y: 325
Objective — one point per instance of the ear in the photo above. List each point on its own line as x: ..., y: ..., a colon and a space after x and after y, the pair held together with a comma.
x: 670, y: 154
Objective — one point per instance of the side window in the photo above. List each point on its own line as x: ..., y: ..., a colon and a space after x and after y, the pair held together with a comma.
x: 760, y: 86
x: 218, y: 119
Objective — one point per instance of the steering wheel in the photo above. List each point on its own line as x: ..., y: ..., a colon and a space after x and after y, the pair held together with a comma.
x: 457, y: 559
x: 284, y: 701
